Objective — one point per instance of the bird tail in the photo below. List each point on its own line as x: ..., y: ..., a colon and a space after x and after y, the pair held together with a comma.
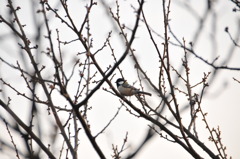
x: 146, y: 93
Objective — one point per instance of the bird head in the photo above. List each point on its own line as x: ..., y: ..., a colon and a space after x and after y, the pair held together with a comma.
x: 120, y: 81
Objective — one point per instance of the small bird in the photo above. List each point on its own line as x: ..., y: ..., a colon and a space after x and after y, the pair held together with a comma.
x: 127, y: 90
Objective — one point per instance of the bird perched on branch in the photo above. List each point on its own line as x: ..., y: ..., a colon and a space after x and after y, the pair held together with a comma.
x: 127, y: 90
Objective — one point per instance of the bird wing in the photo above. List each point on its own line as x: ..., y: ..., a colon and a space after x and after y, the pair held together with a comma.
x: 126, y: 85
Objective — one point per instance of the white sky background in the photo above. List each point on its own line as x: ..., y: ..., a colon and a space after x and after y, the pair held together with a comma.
x: 221, y: 103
